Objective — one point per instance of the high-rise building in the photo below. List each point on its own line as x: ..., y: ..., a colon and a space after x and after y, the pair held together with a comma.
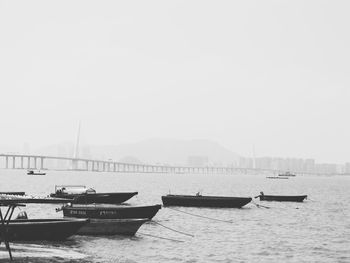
x: 197, y: 161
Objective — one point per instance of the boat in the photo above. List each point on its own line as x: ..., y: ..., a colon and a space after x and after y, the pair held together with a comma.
x: 276, y: 177
x: 98, y: 227
x: 110, y: 212
x: 205, y: 201
x: 281, y: 198
x: 79, y: 194
x: 287, y: 174
x: 15, y: 199
x: 32, y: 172
x: 41, y: 229
x: 12, y: 193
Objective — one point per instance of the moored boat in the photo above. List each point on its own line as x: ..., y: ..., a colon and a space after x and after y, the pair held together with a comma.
x: 205, y: 201
x: 289, y: 174
x: 281, y: 198
x: 276, y: 177
x: 32, y: 172
x: 83, y: 195
x: 12, y: 193
x: 110, y: 212
x: 97, y: 227
x: 41, y: 229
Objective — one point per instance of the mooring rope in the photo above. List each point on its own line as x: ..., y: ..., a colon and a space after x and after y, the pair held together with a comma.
x: 210, y: 218
x: 171, y: 239
x: 257, y: 205
x: 177, y: 231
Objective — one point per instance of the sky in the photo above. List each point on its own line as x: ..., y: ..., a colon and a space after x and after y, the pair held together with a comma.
x: 268, y: 75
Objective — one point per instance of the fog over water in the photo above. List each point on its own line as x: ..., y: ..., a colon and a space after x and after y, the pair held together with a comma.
x: 270, y: 74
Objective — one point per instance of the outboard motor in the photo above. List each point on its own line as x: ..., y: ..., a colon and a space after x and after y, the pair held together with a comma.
x: 22, y: 215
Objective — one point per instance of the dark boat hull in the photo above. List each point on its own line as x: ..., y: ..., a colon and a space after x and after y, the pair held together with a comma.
x: 111, y: 212
x: 98, y: 227
x: 100, y: 198
x: 42, y: 229
x: 283, y: 198
x: 205, y: 201
x: 12, y: 193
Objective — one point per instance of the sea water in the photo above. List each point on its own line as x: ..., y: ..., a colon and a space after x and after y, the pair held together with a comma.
x: 317, y: 230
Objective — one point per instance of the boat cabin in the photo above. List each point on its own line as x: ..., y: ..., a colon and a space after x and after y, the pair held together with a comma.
x: 73, y: 189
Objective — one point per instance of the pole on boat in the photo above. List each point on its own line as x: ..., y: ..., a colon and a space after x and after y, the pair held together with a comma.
x: 4, y: 231
x: 5, y: 220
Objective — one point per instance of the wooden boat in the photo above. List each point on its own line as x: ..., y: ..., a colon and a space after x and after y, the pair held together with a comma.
x: 110, y: 212
x: 11, y: 199
x: 281, y: 198
x: 12, y: 193
x: 32, y: 172
x: 287, y: 174
x: 205, y: 201
x: 82, y: 195
x: 97, y: 227
x: 41, y: 229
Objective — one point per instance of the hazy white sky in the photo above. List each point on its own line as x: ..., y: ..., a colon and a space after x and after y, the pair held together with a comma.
x: 275, y: 74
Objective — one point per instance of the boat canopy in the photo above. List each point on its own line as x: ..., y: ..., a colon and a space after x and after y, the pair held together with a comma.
x: 74, y: 189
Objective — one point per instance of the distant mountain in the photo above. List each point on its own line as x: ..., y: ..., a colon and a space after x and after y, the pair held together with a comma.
x: 152, y: 151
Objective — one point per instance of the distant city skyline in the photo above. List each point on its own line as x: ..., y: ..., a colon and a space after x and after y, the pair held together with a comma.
x: 134, y: 154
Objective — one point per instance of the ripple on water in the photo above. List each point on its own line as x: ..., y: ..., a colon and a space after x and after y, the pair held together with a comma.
x: 317, y: 230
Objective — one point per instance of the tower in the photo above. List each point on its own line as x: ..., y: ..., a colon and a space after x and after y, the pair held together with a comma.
x: 76, y: 149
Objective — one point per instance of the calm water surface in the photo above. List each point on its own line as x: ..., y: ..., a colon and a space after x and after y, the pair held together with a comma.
x: 317, y: 230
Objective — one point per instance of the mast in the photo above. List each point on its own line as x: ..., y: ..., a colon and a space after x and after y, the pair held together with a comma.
x: 76, y: 149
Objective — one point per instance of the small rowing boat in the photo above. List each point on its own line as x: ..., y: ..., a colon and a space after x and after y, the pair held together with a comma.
x: 98, y: 227
x: 289, y: 174
x: 79, y: 194
x: 32, y: 172
x: 205, y: 201
x: 42, y: 229
x: 276, y: 177
x: 110, y: 212
x: 281, y: 198
x: 13, y: 193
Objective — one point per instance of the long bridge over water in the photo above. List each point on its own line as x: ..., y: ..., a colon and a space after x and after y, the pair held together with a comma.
x: 42, y: 162
x: 24, y: 161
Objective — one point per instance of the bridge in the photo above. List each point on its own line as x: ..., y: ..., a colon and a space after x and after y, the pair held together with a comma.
x: 24, y: 161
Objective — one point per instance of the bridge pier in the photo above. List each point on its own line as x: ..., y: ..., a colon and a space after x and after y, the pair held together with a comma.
x: 42, y: 163
x: 21, y: 162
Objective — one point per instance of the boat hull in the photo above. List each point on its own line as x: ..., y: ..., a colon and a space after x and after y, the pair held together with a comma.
x: 102, y: 227
x: 42, y: 229
x: 12, y: 193
x: 100, y: 198
x: 205, y: 201
x: 283, y: 198
x: 111, y: 212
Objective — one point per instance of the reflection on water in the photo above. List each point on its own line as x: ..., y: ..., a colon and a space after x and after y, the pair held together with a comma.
x: 317, y: 230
